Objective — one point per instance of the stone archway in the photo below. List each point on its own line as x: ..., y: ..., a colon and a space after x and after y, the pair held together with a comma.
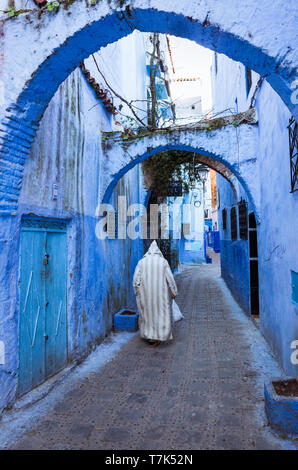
x: 50, y: 47
x: 228, y: 148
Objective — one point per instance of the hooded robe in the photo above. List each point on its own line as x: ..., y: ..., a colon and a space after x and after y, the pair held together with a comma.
x: 153, y: 284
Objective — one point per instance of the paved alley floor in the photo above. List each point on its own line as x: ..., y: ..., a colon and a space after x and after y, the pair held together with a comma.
x: 203, y: 390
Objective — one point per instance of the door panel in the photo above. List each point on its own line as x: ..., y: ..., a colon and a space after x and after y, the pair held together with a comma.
x: 55, y: 291
x: 32, y: 366
x: 43, y: 328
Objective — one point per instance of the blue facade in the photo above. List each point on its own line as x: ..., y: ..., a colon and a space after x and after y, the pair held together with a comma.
x: 234, y: 255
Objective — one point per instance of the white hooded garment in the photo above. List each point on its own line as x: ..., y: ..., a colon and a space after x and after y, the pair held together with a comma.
x: 153, y: 283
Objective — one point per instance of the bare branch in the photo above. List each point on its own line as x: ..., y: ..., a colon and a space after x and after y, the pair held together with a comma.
x: 119, y: 96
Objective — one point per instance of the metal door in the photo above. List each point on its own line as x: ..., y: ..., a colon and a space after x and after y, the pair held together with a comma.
x: 43, y: 329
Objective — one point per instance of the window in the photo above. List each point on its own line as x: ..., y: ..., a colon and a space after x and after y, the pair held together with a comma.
x: 175, y: 189
x: 243, y: 228
x: 233, y: 224
x: 248, y: 77
x: 253, y: 237
x: 254, y: 287
x: 224, y: 219
x: 293, y: 146
x: 253, y: 265
x: 252, y: 220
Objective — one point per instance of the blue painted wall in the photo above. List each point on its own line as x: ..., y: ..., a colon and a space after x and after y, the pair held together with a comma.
x: 278, y: 221
x: 278, y: 246
x: 235, y: 269
x: 234, y: 255
x: 67, y: 152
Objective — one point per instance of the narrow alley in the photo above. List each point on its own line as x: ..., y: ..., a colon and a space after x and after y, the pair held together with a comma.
x: 203, y: 390
x: 141, y: 143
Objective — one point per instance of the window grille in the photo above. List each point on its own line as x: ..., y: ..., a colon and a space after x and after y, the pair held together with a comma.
x: 293, y: 146
x: 224, y: 219
x: 243, y: 226
x: 233, y: 224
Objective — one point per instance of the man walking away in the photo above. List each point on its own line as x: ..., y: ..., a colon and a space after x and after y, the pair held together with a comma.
x: 155, y: 287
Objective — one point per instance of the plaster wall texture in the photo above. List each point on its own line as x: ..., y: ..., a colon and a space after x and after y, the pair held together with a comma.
x: 126, y: 56
x: 234, y: 147
x: 278, y: 243
x: 277, y: 222
x: 230, y: 95
x: 67, y: 152
x: 250, y: 23
x: 229, y: 90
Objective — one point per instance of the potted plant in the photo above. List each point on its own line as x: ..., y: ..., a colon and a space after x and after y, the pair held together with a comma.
x: 281, y: 405
x: 126, y: 320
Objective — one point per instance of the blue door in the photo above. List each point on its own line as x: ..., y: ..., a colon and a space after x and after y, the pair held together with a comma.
x: 43, y: 328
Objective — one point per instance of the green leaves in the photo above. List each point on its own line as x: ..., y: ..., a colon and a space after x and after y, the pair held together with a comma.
x: 52, y: 5
x: 12, y: 12
x: 172, y: 166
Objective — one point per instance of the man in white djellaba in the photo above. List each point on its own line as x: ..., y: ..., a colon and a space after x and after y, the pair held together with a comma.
x: 155, y: 287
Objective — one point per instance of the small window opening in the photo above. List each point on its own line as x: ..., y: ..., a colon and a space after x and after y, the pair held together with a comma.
x: 234, y: 234
x: 293, y: 148
x: 243, y: 226
x: 224, y: 219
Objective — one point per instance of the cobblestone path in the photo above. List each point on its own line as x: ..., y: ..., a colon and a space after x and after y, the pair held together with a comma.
x: 203, y: 390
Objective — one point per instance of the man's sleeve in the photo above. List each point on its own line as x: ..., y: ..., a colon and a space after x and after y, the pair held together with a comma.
x: 170, y: 280
x: 136, y: 282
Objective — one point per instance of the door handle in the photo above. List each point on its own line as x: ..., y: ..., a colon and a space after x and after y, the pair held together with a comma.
x: 46, y: 337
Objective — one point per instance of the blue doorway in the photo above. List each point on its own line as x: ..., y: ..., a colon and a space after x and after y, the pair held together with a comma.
x: 43, y: 319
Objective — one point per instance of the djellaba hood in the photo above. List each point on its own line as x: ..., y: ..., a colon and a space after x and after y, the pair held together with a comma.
x: 154, y: 250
